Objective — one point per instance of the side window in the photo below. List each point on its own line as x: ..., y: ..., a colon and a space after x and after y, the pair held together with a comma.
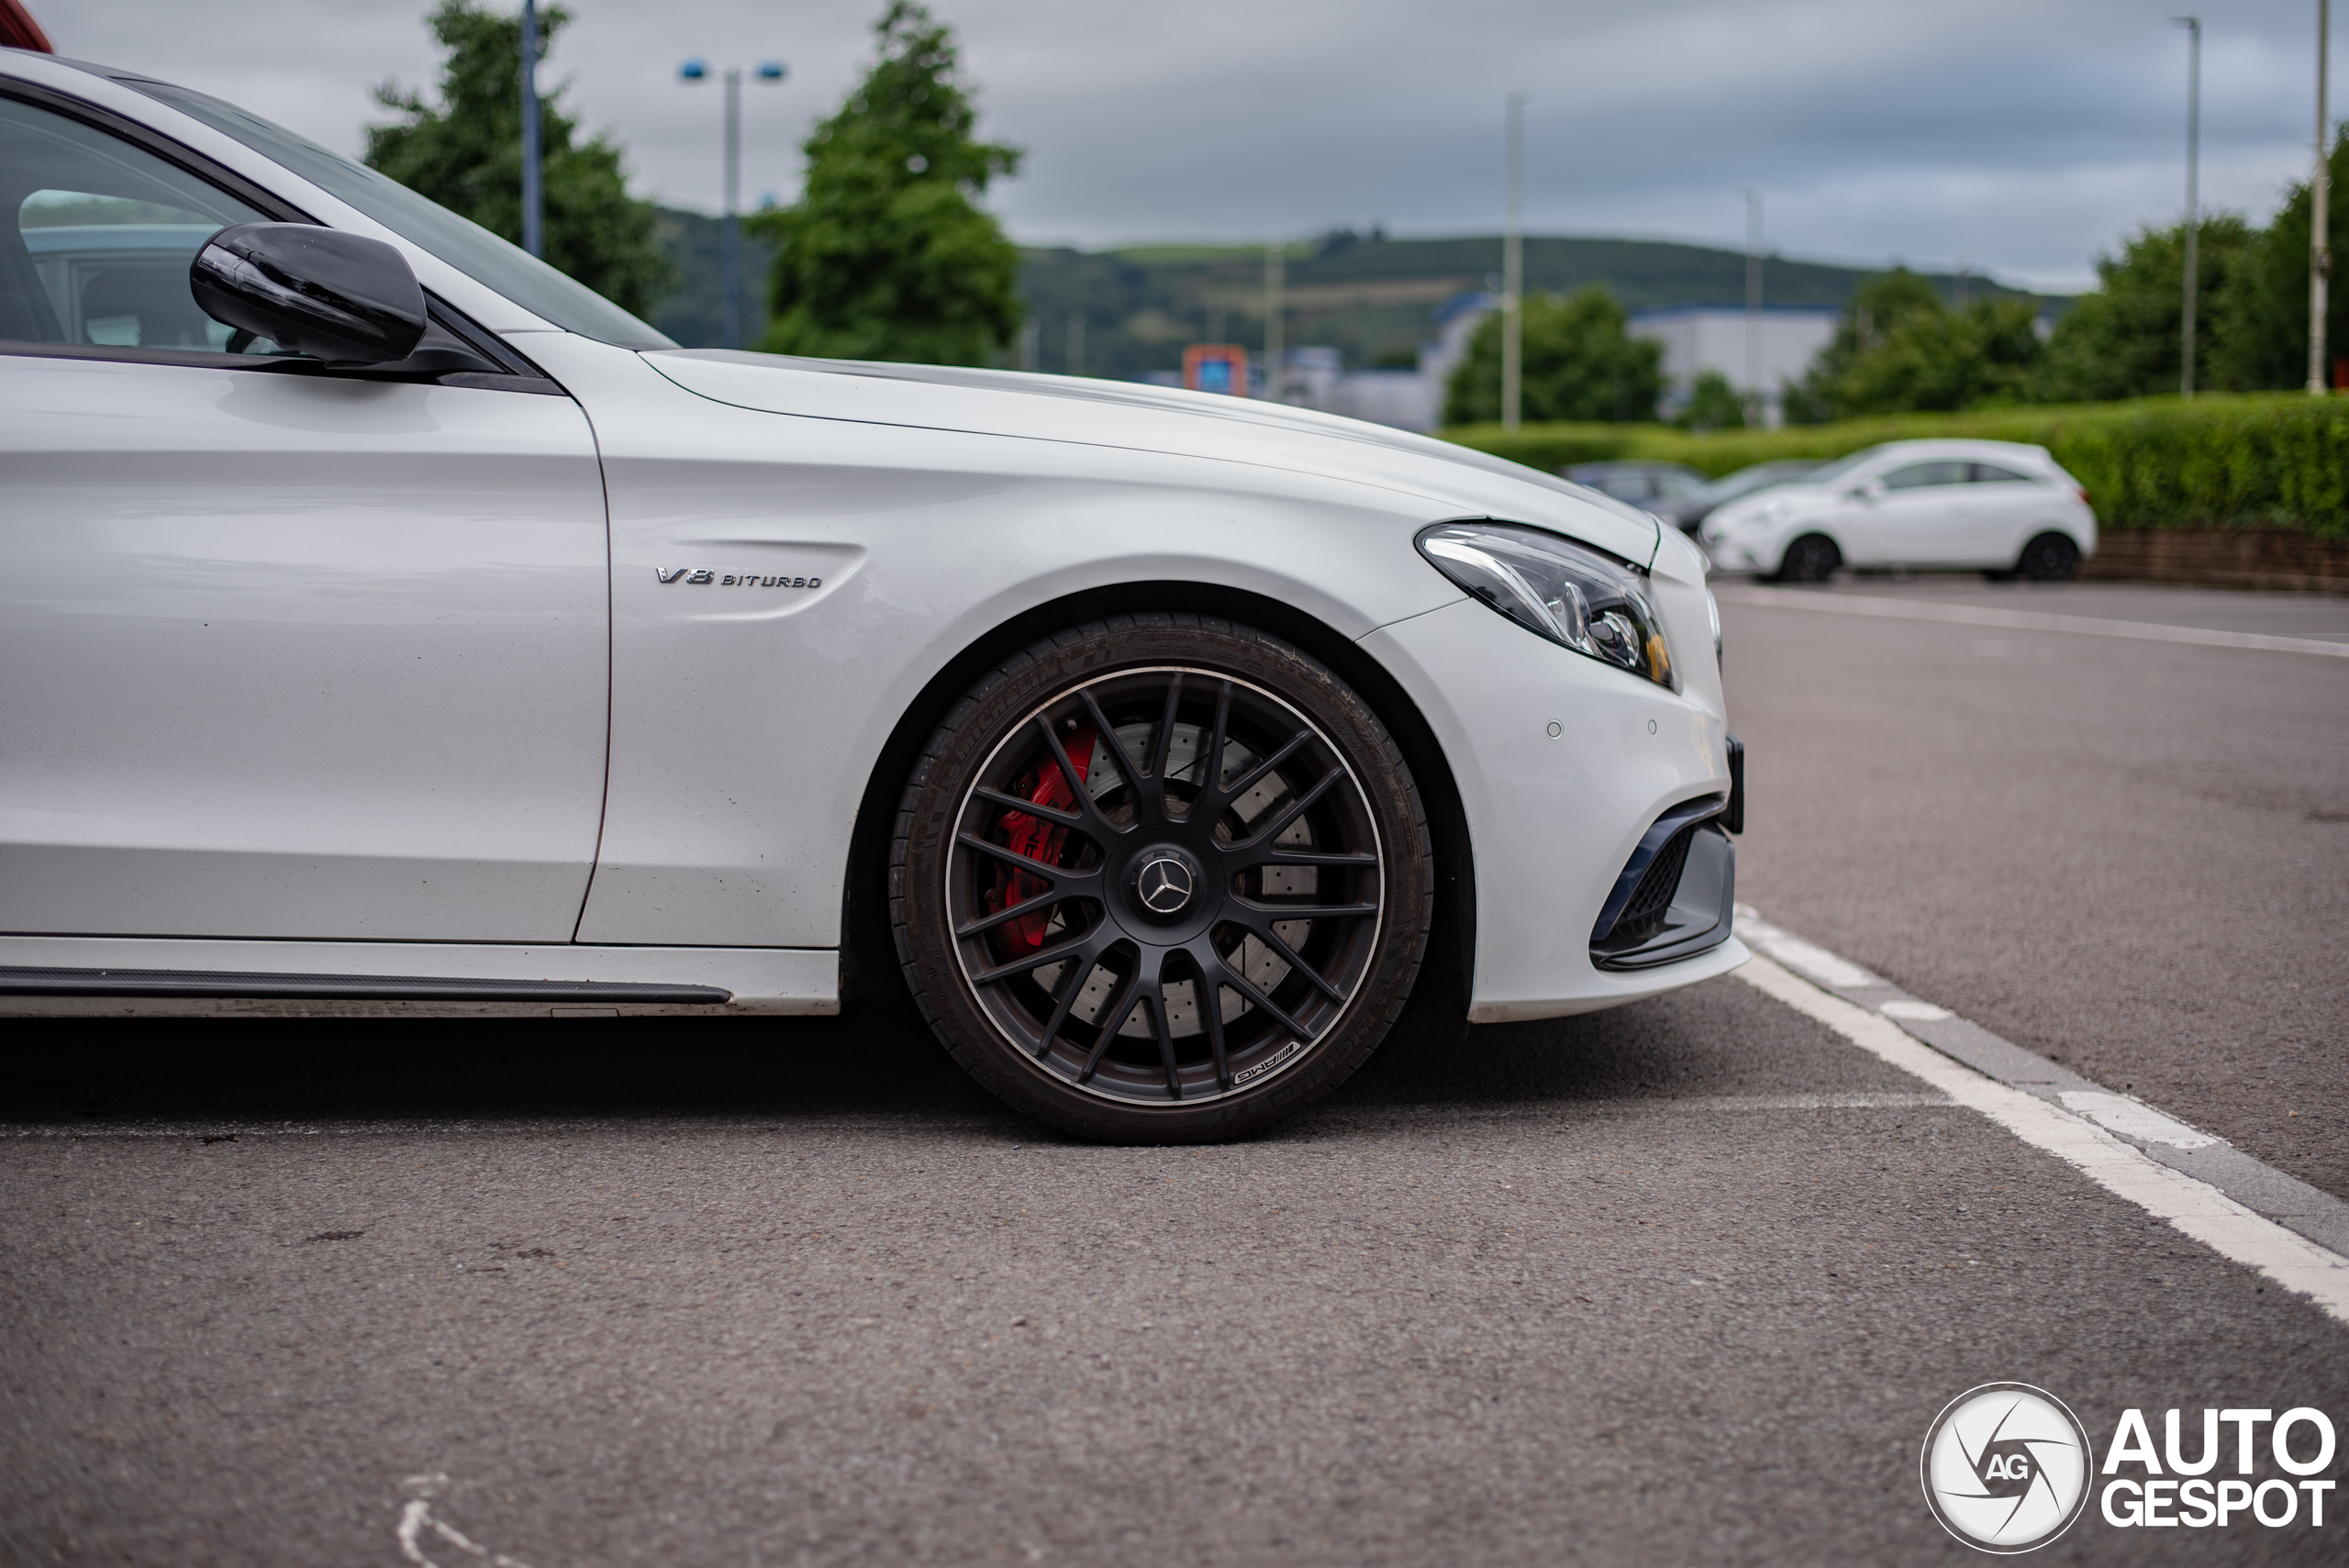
x: 95, y: 238
x: 1921, y: 475
x: 1987, y: 474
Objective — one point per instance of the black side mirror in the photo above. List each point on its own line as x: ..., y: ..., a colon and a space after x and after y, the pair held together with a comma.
x: 340, y: 297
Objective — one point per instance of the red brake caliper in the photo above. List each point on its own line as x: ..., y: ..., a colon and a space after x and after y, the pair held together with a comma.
x: 1038, y: 839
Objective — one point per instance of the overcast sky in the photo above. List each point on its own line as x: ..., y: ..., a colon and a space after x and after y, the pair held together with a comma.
x: 2023, y: 136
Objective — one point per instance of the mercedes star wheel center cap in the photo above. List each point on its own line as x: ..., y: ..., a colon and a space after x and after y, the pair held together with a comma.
x: 1165, y: 884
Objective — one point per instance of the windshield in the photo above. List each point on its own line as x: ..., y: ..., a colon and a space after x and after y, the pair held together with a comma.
x: 465, y: 245
x: 1828, y: 473
x: 1761, y: 476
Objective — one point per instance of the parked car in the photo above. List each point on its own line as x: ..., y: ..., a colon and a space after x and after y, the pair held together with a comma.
x: 1995, y: 507
x: 1640, y: 483
x: 391, y: 621
x: 1690, y: 513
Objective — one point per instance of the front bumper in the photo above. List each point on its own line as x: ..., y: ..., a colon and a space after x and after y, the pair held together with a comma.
x: 1554, y: 818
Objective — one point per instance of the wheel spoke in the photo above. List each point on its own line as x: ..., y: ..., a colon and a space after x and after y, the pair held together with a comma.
x: 1039, y: 905
x: 1223, y: 796
x: 1165, y: 736
x: 1095, y: 820
x: 1291, y: 812
x: 1076, y: 947
x: 1155, y: 1000
x: 1239, y: 983
x: 1031, y: 807
x: 1143, y: 812
x: 1209, y: 766
x: 1113, y: 1018
x: 1211, y: 1007
x: 1272, y: 939
x: 1265, y: 914
x: 1253, y: 853
x: 1060, y: 877
x: 1080, y: 970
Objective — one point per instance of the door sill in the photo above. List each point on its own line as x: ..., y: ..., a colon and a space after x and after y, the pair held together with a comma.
x: 112, y: 977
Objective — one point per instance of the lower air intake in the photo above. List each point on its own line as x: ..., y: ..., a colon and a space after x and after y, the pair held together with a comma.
x: 1651, y: 900
x: 1672, y: 897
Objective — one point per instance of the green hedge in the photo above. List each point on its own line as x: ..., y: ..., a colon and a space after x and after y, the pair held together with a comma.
x: 2256, y: 461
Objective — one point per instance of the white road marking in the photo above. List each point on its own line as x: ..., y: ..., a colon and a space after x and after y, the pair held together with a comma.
x: 1796, y: 954
x: 1861, y: 1101
x: 1915, y: 1012
x: 2195, y: 1208
x: 2134, y: 1118
x: 2027, y: 620
x: 415, y: 1517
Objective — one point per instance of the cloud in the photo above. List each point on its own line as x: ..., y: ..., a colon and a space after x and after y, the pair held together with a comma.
x: 2020, y: 136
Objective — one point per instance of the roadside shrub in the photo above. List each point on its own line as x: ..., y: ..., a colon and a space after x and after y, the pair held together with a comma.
x: 2251, y: 461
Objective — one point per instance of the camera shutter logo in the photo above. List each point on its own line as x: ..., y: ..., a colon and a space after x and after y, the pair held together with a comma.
x: 2005, y: 1467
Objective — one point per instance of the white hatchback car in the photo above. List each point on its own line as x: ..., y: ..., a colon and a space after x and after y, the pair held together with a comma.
x: 1995, y: 507
x: 392, y: 623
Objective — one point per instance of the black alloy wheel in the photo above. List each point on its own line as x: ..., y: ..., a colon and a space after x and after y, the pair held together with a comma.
x: 2050, y: 558
x: 1161, y: 879
x: 1813, y: 558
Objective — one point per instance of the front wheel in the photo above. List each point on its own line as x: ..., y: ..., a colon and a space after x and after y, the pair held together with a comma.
x: 1161, y: 879
x: 1811, y: 559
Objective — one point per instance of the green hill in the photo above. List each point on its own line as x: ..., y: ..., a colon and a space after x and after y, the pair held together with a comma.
x: 1368, y: 296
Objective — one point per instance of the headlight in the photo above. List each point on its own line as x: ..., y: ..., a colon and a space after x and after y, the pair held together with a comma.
x: 1553, y: 588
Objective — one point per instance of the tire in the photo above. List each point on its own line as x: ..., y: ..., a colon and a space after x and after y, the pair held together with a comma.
x: 1313, y: 810
x: 2050, y: 558
x: 1813, y: 558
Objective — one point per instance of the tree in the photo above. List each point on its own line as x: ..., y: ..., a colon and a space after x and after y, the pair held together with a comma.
x: 1580, y: 362
x: 1714, y: 404
x: 2123, y: 339
x: 2262, y: 339
x: 1900, y: 349
x: 466, y: 154
x: 886, y: 255
x: 1878, y: 305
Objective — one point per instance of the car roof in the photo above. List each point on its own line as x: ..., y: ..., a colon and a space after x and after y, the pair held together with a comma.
x: 1627, y: 465
x: 1928, y: 448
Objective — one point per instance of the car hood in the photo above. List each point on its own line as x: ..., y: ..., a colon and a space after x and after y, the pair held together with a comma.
x: 1454, y: 481
x: 1793, y: 495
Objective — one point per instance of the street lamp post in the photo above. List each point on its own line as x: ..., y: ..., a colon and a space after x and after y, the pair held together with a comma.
x: 2320, y: 245
x: 1513, y: 271
x: 1275, y: 318
x: 534, y: 191
x: 1753, y: 298
x: 2193, y: 26
x: 731, y: 244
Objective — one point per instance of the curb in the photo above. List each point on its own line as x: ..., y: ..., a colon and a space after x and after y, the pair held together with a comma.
x: 2309, y: 1212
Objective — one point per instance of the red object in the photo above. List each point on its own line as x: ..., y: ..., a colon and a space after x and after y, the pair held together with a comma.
x: 1037, y: 838
x: 2340, y: 373
x: 1216, y: 367
x: 18, y: 31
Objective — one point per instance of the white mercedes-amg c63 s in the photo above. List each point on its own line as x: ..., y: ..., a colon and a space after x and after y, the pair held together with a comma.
x: 390, y: 621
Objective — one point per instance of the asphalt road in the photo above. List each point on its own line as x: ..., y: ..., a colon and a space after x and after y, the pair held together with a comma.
x: 2131, y: 856
x: 1681, y: 1283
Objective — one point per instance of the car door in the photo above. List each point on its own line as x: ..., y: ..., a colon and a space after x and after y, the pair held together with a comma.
x: 283, y: 653
x: 1915, y: 515
x: 2008, y: 508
